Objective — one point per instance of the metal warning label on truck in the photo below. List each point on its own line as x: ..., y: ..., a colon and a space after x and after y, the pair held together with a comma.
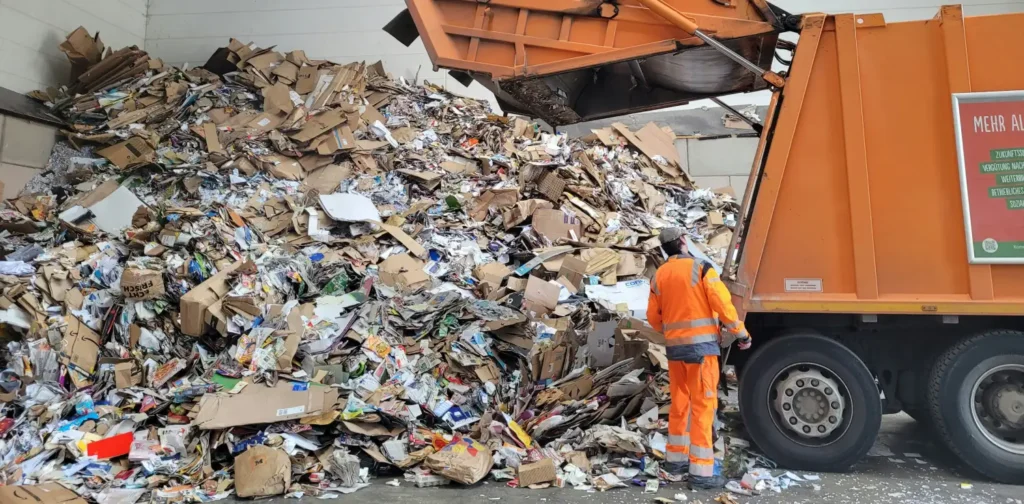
x: 803, y: 285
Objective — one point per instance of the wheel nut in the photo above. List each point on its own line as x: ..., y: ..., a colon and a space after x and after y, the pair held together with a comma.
x: 832, y: 419
x: 787, y: 406
x: 835, y: 404
x: 821, y: 429
x: 799, y: 383
x: 792, y: 420
x: 828, y: 390
x: 789, y: 392
x: 807, y: 429
x: 815, y: 383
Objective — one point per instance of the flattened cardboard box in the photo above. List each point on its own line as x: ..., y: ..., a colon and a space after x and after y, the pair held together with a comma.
x: 523, y: 210
x: 307, y: 77
x: 573, y: 270
x: 492, y: 273
x: 542, y: 471
x: 196, y: 302
x: 262, y: 471
x: 128, y: 153
x: 555, y: 224
x: 627, y: 347
x: 403, y: 272
x: 548, y: 364
x: 127, y: 372
x: 142, y: 284
x: 47, y: 493
x: 318, y: 125
x: 541, y: 296
x: 636, y: 328
x: 337, y: 139
x: 257, y: 404
x: 631, y: 264
x: 601, y: 343
x: 81, y: 345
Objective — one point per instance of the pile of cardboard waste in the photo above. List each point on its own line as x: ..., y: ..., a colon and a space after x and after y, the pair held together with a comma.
x: 280, y: 275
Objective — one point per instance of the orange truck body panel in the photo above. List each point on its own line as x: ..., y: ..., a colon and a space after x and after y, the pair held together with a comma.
x: 859, y: 191
x: 515, y: 38
x: 567, y: 61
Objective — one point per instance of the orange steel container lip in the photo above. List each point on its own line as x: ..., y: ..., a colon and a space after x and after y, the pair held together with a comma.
x: 496, y: 37
x: 856, y: 182
x: 568, y: 61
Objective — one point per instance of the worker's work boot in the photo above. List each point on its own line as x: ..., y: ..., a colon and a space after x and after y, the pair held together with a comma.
x: 707, y: 482
x: 676, y: 468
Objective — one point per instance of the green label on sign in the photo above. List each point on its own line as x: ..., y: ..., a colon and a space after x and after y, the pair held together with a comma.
x: 1010, y: 178
x: 1003, y: 192
x: 991, y: 248
x: 1000, y: 154
x: 1002, y: 166
x: 1015, y: 203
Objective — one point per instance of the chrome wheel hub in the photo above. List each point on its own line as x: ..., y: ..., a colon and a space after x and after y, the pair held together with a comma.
x: 809, y: 403
x: 997, y: 400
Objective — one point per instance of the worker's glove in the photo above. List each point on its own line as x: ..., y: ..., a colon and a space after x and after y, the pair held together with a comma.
x: 744, y: 343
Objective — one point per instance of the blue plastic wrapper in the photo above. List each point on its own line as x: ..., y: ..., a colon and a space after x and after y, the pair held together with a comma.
x: 256, y: 439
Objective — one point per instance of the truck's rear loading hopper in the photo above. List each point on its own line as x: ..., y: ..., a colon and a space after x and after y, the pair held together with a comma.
x: 567, y: 61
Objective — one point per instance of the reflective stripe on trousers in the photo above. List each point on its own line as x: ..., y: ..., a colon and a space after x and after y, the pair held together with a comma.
x: 702, y: 469
x: 683, y: 440
x: 672, y: 456
x: 701, y: 452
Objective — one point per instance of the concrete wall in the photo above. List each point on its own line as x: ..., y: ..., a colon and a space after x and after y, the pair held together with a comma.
x: 181, y: 31
x: 719, y: 162
x: 24, y: 150
x: 31, y: 30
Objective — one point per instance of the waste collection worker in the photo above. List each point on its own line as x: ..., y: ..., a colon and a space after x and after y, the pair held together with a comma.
x: 686, y: 294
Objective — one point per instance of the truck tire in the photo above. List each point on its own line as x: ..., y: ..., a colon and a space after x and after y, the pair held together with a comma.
x: 976, y: 397
x: 810, y: 403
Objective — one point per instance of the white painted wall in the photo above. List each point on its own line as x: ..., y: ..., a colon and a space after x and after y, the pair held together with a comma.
x: 181, y: 31
x: 31, y: 30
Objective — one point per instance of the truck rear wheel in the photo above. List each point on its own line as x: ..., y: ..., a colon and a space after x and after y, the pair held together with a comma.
x: 976, y: 396
x: 810, y: 403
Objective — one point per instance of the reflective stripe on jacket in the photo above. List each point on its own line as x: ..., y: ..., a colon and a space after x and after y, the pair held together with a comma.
x: 685, y: 298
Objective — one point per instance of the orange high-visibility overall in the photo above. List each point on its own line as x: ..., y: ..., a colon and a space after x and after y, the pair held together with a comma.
x: 686, y: 295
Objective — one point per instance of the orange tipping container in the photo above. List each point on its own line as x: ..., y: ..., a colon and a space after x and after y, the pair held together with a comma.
x: 855, y: 201
x: 567, y: 61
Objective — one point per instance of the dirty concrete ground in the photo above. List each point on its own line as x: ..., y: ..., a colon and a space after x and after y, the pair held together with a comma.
x: 906, y: 465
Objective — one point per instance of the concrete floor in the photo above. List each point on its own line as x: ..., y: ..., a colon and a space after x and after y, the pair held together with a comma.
x: 888, y: 475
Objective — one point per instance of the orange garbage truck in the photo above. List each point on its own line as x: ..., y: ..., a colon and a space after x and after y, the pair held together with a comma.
x: 879, y: 255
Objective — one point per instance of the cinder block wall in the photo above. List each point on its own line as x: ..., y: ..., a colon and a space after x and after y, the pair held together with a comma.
x: 24, y: 150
